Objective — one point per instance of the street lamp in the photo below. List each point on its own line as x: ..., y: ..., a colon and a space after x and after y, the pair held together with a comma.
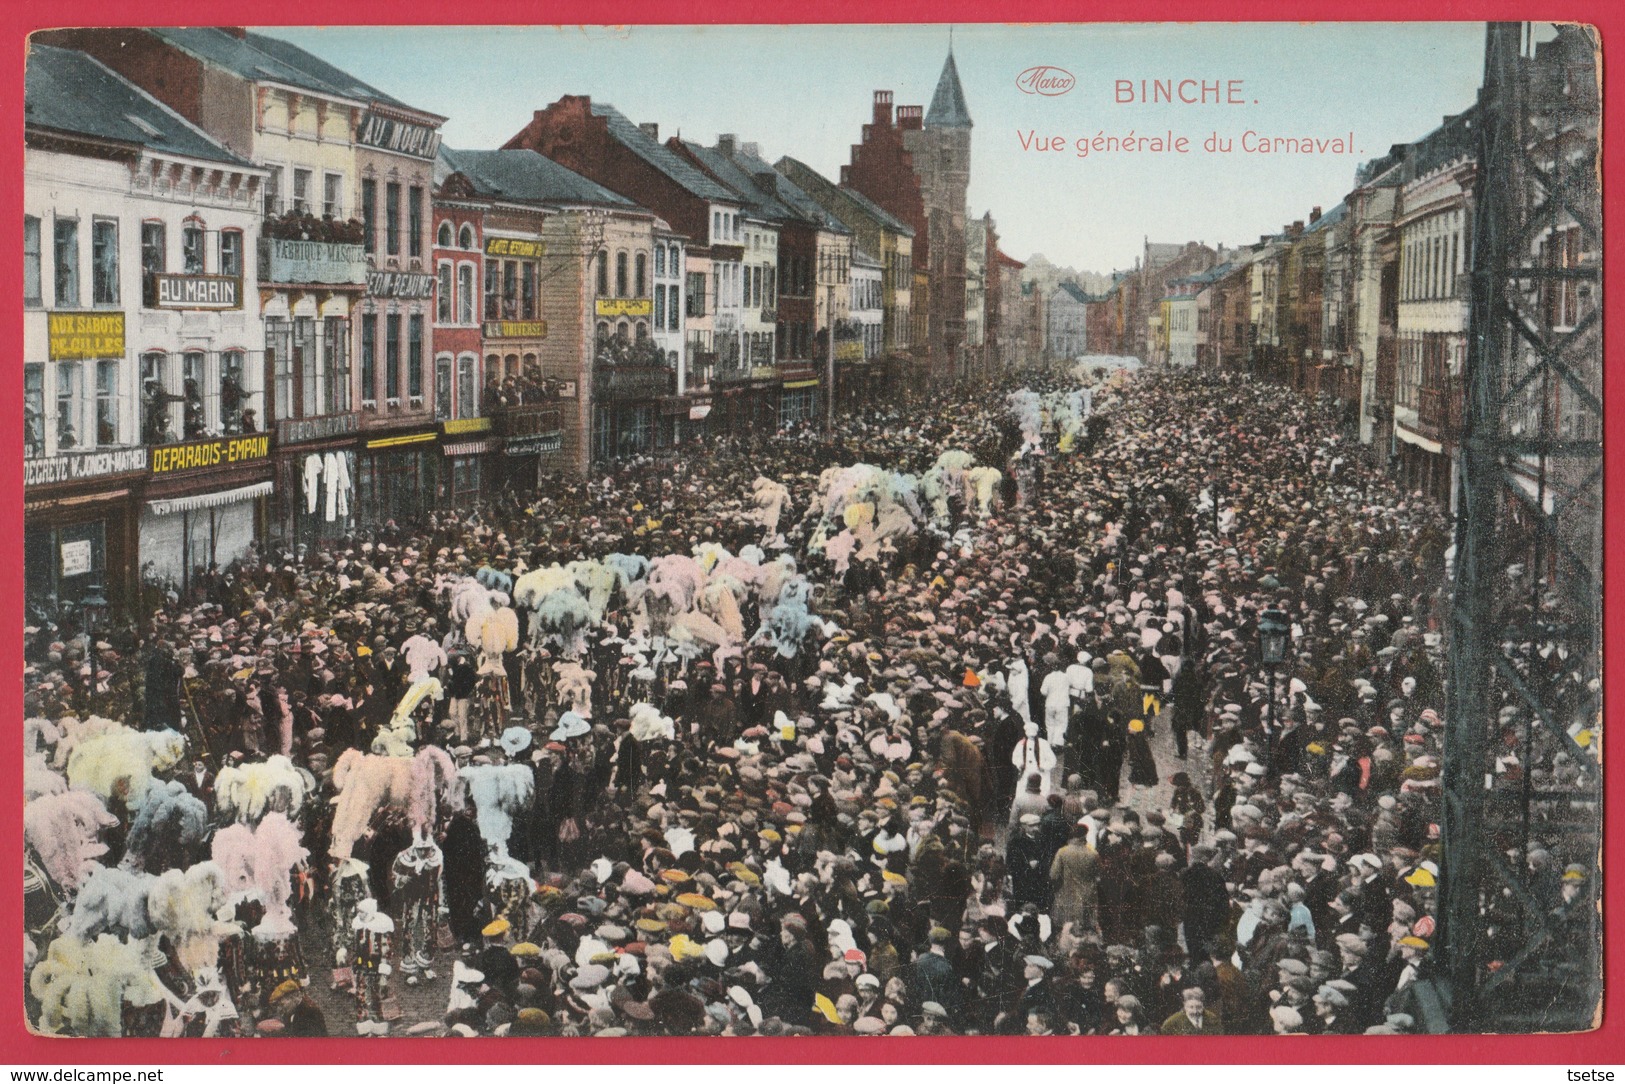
x: 93, y: 605
x: 1273, y: 630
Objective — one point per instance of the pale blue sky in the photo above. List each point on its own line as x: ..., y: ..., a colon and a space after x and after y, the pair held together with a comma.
x: 806, y: 90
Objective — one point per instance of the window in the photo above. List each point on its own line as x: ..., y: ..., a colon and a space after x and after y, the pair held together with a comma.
x: 414, y: 221
x: 369, y: 358
x: 467, y: 396
x: 696, y: 294
x: 34, y: 408
x: 67, y: 405
x: 466, y: 237
x: 671, y: 310
x: 192, y: 249
x: 31, y: 261
x: 157, y: 423
x: 443, y: 295
x: 620, y: 274
x: 414, y: 357
x: 271, y: 192
x: 641, y: 276
x: 660, y: 261
x: 279, y: 363
x: 194, y: 413
x: 104, y: 262
x: 443, y: 235
x: 493, y: 290
x: 233, y: 394
x: 392, y: 219
x: 301, y: 191
x: 660, y: 299
x: 603, y: 273
x: 67, y: 263
x: 231, y: 253
x: 392, y: 356
x: 465, y: 293
x: 332, y: 195
x: 527, y: 291
x: 442, y: 388
x: 369, y: 213
x: 336, y: 385
x: 152, y: 248
x: 305, y: 360
x: 510, y: 290
x: 716, y: 225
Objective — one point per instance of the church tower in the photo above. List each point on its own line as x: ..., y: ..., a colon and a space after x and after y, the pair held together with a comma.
x: 940, y: 147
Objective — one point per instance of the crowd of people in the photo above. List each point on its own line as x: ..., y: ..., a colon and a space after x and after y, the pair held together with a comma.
x: 657, y: 753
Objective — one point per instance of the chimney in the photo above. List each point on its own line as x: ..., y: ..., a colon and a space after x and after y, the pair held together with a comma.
x: 1297, y: 227
x: 883, y: 108
x: 1314, y: 215
x: 725, y: 144
x: 910, y: 118
x: 237, y: 32
x: 750, y: 150
x: 650, y: 129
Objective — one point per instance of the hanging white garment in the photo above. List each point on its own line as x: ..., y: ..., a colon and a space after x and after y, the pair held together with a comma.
x: 313, y: 482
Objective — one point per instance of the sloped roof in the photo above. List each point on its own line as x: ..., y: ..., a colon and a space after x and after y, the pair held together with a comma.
x: 68, y: 91
x: 758, y: 202
x: 948, y: 108
x: 1074, y: 291
x: 256, y: 57
x: 790, y: 194
x: 812, y: 179
x: 1329, y: 219
x: 528, y: 177
x: 660, y: 156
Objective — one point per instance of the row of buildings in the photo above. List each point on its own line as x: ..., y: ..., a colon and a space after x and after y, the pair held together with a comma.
x: 1366, y: 305
x: 263, y: 301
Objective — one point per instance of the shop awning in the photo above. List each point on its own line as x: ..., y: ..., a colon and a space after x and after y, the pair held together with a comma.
x: 200, y: 501
x: 1417, y: 439
x: 791, y: 385
x: 467, y: 447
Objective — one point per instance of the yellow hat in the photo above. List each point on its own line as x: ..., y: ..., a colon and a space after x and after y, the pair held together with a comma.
x: 650, y: 925
x: 684, y: 948
x: 795, y: 829
x: 525, y: 948
x: 892, y: 877
x: 1135, y: 726
x: 827, y: 1007
x: 1583, y: 739
x: 608, y: 959
x: 1421, y: 878
x: 362, y: 650
x: 1315, y: 747
x: 287, y: 989
x: 697, y: 901
x: 496, y: 928
x: 745, y: 873
x: 1412, y: 941
x: 770, y: 835
x: 674, y: 876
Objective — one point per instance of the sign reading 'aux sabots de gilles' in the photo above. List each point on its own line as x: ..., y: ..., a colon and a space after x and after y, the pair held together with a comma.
x: 75, y: 336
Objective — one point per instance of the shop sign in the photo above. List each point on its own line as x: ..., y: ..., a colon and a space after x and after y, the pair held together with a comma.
x: 49, y: 470
x: 222, y: 452
x: 515, y: 329
x: 458, y: 426
x: 75, y: 336
x: 194, y: 291
x: 76, y: 557
x: 532, y: 443
x: 699, y: 412
x: 763, y: 372
x: 318, y: 262
x: 408, y: 285
x: 515, y: 247
x: 389, y: 134
x: 849, y: 351
x: 299, y: 430
x: 625, y: 306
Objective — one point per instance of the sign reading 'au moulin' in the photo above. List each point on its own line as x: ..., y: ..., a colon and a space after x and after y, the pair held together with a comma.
x: 389, y: 134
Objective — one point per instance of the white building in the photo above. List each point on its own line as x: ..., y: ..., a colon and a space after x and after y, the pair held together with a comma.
x: 1065, y: 321
x: 142, y: 377
x: 868, y: 304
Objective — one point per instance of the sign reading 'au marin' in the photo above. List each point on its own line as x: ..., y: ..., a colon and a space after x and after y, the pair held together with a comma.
x: 195, y: 292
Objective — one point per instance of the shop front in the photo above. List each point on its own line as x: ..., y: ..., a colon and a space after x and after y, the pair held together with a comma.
x: 315, y: 472
x: 465, y: 444
x: 80, y: 534
x: 398, y: 477
x: 204, y: 506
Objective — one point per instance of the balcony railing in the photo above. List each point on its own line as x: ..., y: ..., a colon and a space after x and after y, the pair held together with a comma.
x: 317, y: 263
x: 1438, y: 410
x: 525, y: 420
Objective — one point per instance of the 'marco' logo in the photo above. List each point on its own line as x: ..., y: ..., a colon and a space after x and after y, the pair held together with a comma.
x: 1045, y: 79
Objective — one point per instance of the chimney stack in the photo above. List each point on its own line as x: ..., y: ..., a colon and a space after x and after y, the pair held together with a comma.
x: 751, y: 150
x: 725, y: 144
x: 650, y: 129
x: 883, y: 108
x: 238, y: 32
x: 1314, y: 215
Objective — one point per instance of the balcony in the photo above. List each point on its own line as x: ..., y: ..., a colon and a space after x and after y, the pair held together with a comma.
x: 1438, y: 410
x: 330, y: 264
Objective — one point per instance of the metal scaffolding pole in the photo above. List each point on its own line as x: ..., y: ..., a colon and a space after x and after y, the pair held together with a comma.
x: 1526, y: 602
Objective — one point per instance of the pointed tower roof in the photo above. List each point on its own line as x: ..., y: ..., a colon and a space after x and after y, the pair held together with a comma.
x: 948, y: 109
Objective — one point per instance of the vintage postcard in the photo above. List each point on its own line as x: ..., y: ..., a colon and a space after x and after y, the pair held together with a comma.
x: 886, y: 530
